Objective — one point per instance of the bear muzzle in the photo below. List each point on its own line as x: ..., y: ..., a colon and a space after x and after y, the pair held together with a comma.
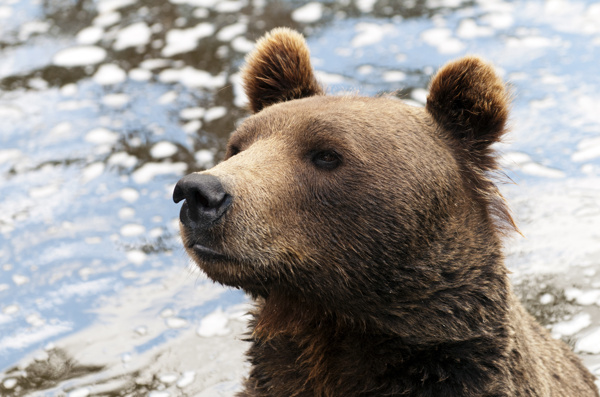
x: 206, y: 201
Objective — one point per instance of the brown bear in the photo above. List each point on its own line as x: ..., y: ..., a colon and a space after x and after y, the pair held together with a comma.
x: 369, y: 234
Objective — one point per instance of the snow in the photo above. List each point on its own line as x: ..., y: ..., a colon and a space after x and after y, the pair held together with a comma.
x: 214, y: 324
x: 571, y: 327
x: 163, y: 149
x: 90, y: 35
x: 589, y: 343
x: 229, y: 32
x: 149, y: 171
x: 132, y: 229
x: 215, y: 113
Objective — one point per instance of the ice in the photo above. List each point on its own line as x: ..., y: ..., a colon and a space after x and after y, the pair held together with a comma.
x: 132, y: 229
x: 133, y: 35
x: 148, y: 171
x: 308, y: 13
x: 229, y: 32
x: 79, y: 56
x: 214, y: 324
x: 185, y: 40
x: 163, y: 149
x: 108, y: 74
x: 589, y: 343
x: 90, y: 35
x: 571, y: 327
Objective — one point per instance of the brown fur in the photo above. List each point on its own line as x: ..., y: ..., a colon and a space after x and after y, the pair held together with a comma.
x: 382, y: 275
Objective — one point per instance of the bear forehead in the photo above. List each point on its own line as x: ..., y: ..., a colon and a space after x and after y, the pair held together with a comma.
x: 340, y: 118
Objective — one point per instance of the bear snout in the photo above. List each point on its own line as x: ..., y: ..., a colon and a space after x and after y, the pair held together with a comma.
x: 205, y: 200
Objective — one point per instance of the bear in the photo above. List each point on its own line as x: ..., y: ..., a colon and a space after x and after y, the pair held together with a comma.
x: 369, y: 232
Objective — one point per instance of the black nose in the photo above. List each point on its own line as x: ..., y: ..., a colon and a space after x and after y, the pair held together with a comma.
x: 205, y: 199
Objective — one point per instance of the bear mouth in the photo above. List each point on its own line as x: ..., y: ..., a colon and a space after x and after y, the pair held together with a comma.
x: 206, y: 253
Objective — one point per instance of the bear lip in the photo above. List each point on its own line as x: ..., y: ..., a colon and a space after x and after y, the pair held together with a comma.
x: 207, y: 253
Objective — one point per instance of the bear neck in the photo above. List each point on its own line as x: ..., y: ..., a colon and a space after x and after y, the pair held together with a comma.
x: 453, y: 290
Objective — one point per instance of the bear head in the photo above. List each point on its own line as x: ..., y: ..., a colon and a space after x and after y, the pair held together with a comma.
x: 361, y: 211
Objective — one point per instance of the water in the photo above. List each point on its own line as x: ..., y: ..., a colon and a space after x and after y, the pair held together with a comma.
x: 105, y: 105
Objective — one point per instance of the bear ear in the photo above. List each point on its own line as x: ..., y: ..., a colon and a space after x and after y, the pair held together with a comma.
x: 279, y: 70
x: 471, y: 102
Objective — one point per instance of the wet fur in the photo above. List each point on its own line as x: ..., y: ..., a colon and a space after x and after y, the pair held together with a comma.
x: 384, y: 277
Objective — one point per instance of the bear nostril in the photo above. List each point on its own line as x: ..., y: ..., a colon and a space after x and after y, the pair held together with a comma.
x: 206, y: 199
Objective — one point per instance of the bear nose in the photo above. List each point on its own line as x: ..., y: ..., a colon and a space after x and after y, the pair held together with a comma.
x: 205, y: 199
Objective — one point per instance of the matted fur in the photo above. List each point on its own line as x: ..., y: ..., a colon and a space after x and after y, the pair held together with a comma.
x: 279, y: 70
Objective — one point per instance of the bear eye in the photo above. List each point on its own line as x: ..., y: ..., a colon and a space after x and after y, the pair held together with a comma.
x: 232, y: 151
x: 326, y: 159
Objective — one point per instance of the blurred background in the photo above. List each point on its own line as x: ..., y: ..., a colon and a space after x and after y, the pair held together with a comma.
x: 105, y: 104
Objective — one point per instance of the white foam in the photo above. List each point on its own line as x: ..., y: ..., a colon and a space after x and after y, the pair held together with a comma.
x: 116, y: 100
x: 588, y: 149
x: 130, y: 195
x: 589, y: 343
x: 192, y: 113
x: 468, y: 29
x: 214, y: 324
x: 186, y: 379
x: 215, y: 113
x: 365, y: 6
x: 148, y: 171
x: 79, y: 56
x: 176, y: 322
x: 7, y: 155
x: 133, y: 35
x: 92, y: 171
x: 132, y: 229
x: 242, y: 44
x: 163, y: 149
x: 229, y: 32
x: 192, y: 126
x: 308, y: 13
x: 108, y: 74
x: 370, y: 33
x: 108, y: 6
x: 136, y: 257
x: 571, y: 327
x: 108, y: 19
x: 140, y: 74
x: 541, y: 170
x: 442, y: 40
x: 394, y: 76
x: 90, y: 35
x: 185, y: 40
